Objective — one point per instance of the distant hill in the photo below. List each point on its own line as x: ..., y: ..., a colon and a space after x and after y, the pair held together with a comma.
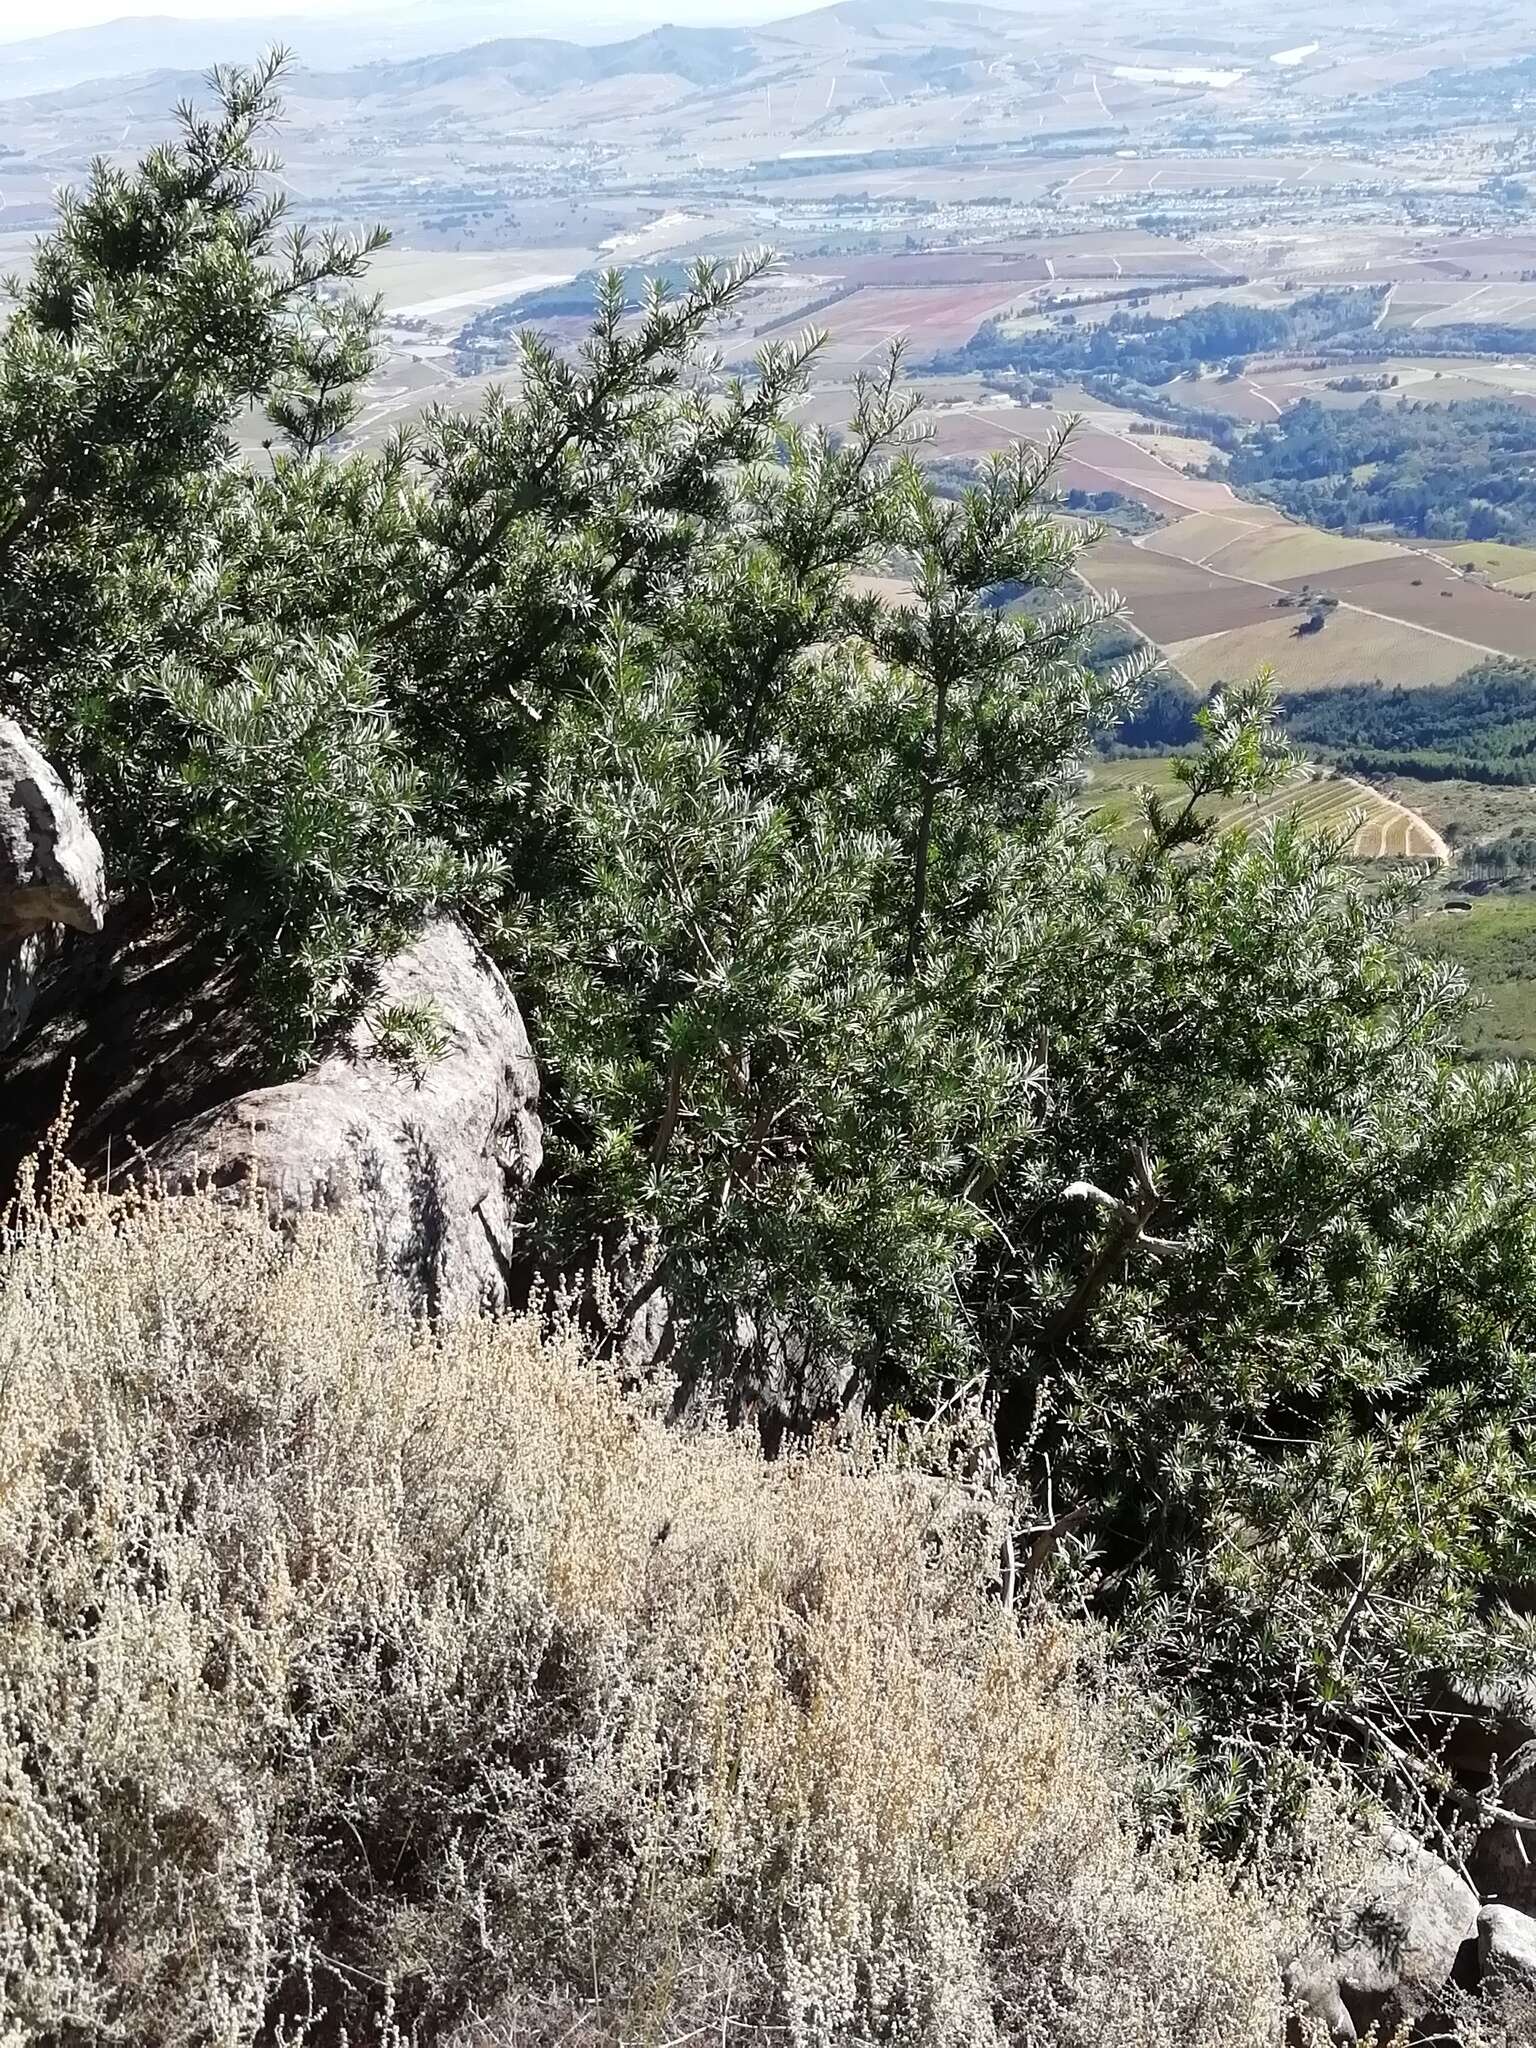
x: 366, y: 57
x: 137, y: 45
x: 538, y: 65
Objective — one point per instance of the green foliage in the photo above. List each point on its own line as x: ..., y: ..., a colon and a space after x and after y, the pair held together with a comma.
x: 1155, y: 351
x: 1272, y: 1344
x: 864, y: 1045
x: 1481, y: 728
x: 233, y: 740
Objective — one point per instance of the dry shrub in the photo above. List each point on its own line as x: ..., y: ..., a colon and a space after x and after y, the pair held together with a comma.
x: 361, y: 1685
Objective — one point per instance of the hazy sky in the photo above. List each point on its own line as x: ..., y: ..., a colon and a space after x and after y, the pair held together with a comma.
x: 41, y: 17
x: 20, y: 18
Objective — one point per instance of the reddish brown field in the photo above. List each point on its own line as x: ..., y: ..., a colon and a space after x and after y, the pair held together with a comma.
x: 1097, y: 461
x: 1426, y: 595
x: 1009, y: 267
x: 934, y: 316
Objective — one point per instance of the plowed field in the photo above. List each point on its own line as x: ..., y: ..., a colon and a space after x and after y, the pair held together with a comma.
x: 1407, y: 587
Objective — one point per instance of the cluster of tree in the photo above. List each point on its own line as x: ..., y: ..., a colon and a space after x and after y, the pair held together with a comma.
x: 1465, y: 471
x: 805, y: 312
x: 1498, y: 860
x: 862, y: 1042
x: 1462, y: 338
x: 1155, y: 351
x: 1165, y: 716
x: 1114, y: 510
x: 1480, y: 728
x: 1217, y: 427
x: 1494, y: 85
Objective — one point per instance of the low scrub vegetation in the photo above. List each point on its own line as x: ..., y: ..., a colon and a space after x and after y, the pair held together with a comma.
x: 362, y: 1684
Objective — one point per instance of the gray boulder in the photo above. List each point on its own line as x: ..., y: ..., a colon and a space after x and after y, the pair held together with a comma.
x: 50, y: 861
x: 435, y: 1164
x: 1506, y: 1946
x: 51, y: 874
x: 1390, y: 1953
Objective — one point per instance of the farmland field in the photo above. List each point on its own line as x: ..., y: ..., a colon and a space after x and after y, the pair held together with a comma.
x: 427, y: 283
x: 1422, y: 303
x: 1285, y: 553
x: 1264, y: 393
x: 1263, y: 546
x: 1169, y: 600
x: 1499, y: 561
x: 1205, y: 588
x: 1095, y: 459
x: 1407, y: 588
x: 1351, y: 648
x: 933, y: 317
x: 1204, y: 536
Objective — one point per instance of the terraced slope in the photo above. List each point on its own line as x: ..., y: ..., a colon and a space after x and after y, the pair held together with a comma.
x: 1323, y: 802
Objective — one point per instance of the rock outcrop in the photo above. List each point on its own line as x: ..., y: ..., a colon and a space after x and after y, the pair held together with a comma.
x: 51, y: 874
x: 1395, y: 1945
x: 146, y: 1032
x: 1506, y: 1946
x: 436, y: 1164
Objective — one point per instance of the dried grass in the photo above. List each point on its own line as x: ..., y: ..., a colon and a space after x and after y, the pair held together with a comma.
x: 361, y: 1685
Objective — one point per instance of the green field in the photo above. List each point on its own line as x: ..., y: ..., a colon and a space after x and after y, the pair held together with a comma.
x: 1494, y: 944
x: 1499, y: 561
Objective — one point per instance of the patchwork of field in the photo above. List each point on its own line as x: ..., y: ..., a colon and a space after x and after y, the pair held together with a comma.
x: 1098, y: 458
x: 1169, y: 600
x: 1211, y: 587
x: 1405, y: 587
x: 1011, y: 265
x: 1216, y: 173
x: 1100, y: 461
x: 1263, y: 546
x: 1263, y: 394
x: 1428, y: 303
x: 938, y: 299
x: 1319, y: 799
x: 1223, y: 584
